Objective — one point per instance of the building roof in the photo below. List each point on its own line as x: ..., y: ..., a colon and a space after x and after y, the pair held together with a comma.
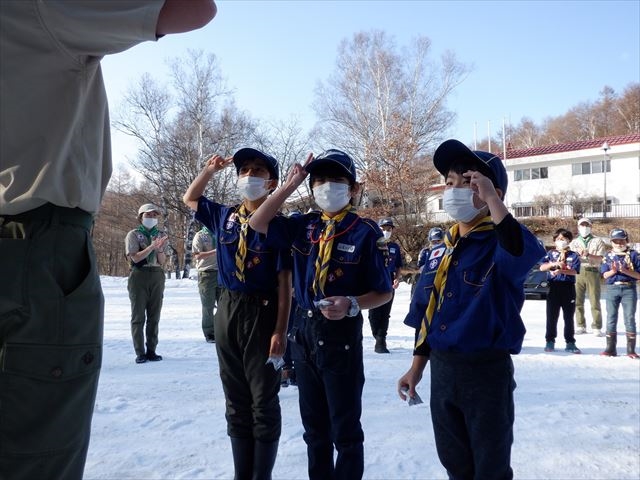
x: 568, y: 147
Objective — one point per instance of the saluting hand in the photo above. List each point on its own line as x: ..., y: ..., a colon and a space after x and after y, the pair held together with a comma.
x: 217, y: 163
x: 481, y: 185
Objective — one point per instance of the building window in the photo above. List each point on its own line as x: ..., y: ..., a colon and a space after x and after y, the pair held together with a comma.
x: 585, y: 168
x: 530, y: 174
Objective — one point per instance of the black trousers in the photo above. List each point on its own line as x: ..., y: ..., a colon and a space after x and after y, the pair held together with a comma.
x: 562, y: 296
x: 472, y: 411
x: 244, y: 325
x: 379, y: 318
x: 330, y: 377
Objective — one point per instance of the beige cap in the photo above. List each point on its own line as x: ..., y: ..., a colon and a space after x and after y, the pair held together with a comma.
x: 148, y: 207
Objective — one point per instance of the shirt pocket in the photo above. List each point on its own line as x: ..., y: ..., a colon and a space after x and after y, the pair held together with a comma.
x: 474, y: 280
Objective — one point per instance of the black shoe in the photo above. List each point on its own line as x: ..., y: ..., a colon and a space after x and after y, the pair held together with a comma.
x: 153, y: 357
x: 210, y: 338
x: 381, y: 345
x: 141, y: 359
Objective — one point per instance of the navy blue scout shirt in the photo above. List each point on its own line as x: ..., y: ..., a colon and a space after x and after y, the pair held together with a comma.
x: 483, y: 293
x: 572, y: 260
x: 630, y: 258
x: 394, y: 259
x: 262, y: 262
x: 356, y: 261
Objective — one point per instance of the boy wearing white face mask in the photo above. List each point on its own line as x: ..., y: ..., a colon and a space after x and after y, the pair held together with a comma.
x: 250, y: 322
x: 562, y: 265
x: 145, y: 249
x: 467, y: 303
x: 591, y: 250
x: 379, y: 316
x: 338, y: 258
x: 621, y: 272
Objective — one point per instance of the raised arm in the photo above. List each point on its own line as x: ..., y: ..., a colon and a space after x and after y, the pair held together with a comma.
x: 178, y: 16
x: 198, y: 186
x: 264, y: 214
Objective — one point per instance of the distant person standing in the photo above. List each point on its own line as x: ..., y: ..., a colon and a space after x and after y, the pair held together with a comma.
x: 562, y: 265
x: 204, y: 252
x: 591, y: 250
x: 621, y: 272
x: 379, y: 316
x: 145, y: 249
x: 435, y: 238
x: 55, y: 163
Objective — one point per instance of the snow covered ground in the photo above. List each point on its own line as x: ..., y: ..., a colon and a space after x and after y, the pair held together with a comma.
x: 577, y: 416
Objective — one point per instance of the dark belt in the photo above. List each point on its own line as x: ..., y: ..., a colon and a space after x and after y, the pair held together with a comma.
x: 261, y: 299
x: 51, y: 214
x: 590, y: 269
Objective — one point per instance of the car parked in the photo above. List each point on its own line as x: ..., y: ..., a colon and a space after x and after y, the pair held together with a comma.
x: 536, y: 285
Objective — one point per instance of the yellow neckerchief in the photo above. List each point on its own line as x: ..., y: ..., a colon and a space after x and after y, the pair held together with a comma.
x: 241, y: 252
x: 325, y: 245
x: 435, y: 299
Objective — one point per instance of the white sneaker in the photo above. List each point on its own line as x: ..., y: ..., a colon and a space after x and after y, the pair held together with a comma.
x: 581, y: 331
x: 598, y: 333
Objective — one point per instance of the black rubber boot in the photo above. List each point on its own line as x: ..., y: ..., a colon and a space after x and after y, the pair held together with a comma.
x: 631, y: 345
x: 381, y: 344
x: 610, y: 351
x: 264, y: 458
x: 242, y: 449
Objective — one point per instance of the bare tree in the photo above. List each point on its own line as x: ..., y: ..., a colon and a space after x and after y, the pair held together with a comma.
x: 387, y: 108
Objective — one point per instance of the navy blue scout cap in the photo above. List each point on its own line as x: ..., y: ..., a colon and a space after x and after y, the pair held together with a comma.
x: 618, y: 234
x: 436, y: 233
x: 488, y: 164
x: 245, y: 154
x: 333, y: 161
x: 386, y: 222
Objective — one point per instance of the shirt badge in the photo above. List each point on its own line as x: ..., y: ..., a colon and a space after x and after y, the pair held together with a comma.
x: 343, y: 247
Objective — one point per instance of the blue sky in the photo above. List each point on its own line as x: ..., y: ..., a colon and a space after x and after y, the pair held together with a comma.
x: 534, y: 59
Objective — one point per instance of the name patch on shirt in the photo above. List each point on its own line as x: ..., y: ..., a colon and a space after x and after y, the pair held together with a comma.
x: 343, y: 247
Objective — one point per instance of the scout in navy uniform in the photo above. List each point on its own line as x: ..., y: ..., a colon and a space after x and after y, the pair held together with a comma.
x: 337, y: 260
x: 145, y: 249
x: 468, y: 300
x: 253, y: 310
x: 562, y: 265
x: 379, y: 316
x: 621, y: 272
x: 435, y: 238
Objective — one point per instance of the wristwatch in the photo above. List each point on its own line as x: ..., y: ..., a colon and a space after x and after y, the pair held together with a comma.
x: 355, y: 308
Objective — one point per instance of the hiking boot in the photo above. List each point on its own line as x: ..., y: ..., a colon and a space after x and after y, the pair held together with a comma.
x: 141, y: 359
x: 153, y: 357
x: 210, y: 338
x: 610, y: 351
x: 581, y: 331
x: 571, y: 348
x: 631, y: 345
x: 381, y: 345
x: 549, y: 347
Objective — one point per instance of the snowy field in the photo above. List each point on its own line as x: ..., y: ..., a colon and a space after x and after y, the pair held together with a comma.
x: 577, y: 416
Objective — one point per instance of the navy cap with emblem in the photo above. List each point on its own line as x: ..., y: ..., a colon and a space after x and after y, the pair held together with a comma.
x: 488, y: 163
x: 245, y: 154
x: 333, y: 162
x: 618, y: 234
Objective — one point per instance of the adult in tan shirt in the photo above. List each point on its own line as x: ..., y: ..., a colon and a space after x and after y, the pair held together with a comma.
x: 591, y: 250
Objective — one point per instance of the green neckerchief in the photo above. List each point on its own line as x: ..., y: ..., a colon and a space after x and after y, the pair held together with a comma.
x: 585, y: 240
x: 150, y: 234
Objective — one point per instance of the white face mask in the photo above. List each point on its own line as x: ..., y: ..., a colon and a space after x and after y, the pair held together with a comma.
x: 251, y: 188
x: 458, y: 203
x: 387, y: 234
x: 618, y: 248
x: 584, y: 231
x: 561, y: 244
x: 149, y: 222
x: 331, y: 196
